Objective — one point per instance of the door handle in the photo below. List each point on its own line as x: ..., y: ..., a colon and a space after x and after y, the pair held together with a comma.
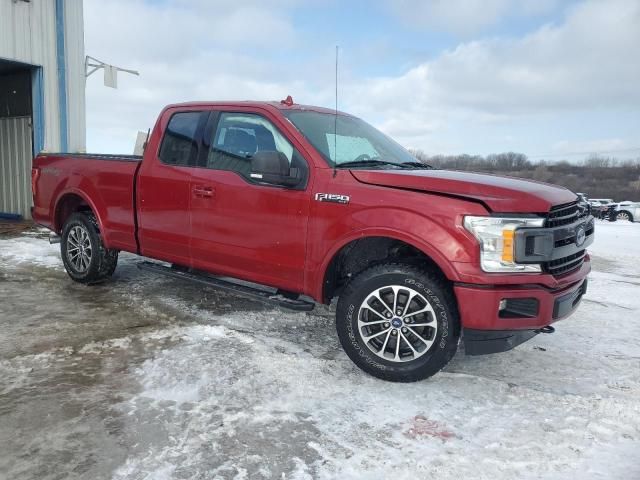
x: 203, y: 191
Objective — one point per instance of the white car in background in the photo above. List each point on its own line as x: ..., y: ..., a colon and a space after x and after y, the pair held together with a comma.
x: 628, y: 210
x: 599, y: 202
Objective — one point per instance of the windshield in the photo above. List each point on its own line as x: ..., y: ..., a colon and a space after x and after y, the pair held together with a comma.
x: 356, y: 144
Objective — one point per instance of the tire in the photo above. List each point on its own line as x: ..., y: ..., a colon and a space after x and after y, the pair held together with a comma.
x: 98, y: 264
x: 441, y: 330
x: 624, y: 215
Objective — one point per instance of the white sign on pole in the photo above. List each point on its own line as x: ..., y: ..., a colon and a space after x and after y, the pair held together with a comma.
x: 92, y: 65
x: 111, y: 76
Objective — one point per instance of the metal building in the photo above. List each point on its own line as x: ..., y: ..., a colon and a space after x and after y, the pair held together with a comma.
x: 42, y: 90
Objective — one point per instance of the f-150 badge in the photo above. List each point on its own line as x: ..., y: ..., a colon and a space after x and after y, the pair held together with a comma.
x: 332, y: 197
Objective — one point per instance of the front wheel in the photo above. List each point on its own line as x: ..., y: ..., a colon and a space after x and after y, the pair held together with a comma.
x: 85, y: 258
x: 398, y: 322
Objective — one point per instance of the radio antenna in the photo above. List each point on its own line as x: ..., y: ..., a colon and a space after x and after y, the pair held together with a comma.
x: 335, y: 124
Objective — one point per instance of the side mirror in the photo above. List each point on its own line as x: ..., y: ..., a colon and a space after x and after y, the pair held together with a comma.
x: 272, y: 167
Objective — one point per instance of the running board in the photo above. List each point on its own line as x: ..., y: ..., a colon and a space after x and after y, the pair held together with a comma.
x: 267, y: 295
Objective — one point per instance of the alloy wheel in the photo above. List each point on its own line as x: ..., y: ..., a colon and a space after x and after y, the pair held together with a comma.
x: 79, y: 249
x: 397, y: 323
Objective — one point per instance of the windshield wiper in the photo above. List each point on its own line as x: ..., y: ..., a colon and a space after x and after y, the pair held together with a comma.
x: 372, y: 162
x: 367, y: 163
x: 420, y: 165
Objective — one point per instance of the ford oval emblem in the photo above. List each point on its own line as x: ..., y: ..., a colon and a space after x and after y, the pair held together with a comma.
x: 580, y: 236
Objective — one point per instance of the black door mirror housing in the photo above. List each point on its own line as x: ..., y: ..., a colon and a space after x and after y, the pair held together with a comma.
x: 268, y: 166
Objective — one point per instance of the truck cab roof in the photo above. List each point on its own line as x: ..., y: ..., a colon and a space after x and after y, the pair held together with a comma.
x: 280, y: 105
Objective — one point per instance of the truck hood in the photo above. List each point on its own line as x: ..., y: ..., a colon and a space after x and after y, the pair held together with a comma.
x: 501, y: 194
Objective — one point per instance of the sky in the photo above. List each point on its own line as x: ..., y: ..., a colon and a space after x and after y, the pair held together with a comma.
x: 549, y: 78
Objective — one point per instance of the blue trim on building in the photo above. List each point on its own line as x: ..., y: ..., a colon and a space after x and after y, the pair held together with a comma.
x: 62, y: 76
x: 37, y: 101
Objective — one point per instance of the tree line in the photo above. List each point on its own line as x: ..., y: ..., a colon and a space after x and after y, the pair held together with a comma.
x: 597, y: 176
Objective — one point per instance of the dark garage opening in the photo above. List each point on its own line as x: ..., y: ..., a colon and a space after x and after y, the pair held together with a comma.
x: 15, y: 138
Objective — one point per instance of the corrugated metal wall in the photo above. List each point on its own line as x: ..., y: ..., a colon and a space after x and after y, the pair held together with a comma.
x: 15, y: 165
x: 28, y: 35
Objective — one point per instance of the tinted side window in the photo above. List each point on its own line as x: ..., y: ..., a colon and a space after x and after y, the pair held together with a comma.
x: 239, y: 136
x: 179, y: 145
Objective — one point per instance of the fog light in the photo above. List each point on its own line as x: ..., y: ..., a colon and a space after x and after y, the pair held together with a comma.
x: 518, y: 308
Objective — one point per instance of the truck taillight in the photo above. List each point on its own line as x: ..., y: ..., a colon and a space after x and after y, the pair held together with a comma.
x: 35, y: 174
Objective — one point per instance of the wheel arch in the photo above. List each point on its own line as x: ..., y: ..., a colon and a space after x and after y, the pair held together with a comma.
x: 362, y: 250
x: 69, y: 202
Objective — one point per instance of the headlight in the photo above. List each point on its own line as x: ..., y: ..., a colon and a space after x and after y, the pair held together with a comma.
x: 496, y: 238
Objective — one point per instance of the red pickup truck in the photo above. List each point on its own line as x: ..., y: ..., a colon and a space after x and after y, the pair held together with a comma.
x: 298, y: 204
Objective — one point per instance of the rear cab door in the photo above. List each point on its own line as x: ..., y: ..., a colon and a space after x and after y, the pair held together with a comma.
x: 164, y: 185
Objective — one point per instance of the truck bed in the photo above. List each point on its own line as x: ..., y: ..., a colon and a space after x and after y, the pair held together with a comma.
x: 107, y: 186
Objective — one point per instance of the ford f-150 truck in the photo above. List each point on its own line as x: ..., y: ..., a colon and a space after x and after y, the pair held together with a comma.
x: 298, y: 204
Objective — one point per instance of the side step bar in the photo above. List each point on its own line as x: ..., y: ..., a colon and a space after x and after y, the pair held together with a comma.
x: 267, y: 295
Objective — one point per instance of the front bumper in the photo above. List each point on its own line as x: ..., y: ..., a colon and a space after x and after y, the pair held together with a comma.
x: 482, y: 342
x: 488, y: 329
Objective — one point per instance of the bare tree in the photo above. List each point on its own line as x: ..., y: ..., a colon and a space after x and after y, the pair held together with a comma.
x: 597, y: 176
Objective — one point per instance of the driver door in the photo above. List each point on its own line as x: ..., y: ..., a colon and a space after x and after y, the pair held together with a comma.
x: 240, y: 227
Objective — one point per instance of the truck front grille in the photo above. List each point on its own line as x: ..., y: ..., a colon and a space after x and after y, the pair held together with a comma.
x: 563, y: 214
x: 559, y: 216
x: 565, y: 264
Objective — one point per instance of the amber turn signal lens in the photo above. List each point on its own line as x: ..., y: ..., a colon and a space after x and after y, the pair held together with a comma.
x: 507, y: 245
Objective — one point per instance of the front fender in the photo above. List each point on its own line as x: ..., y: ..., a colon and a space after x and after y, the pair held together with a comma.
x: 440, y: 238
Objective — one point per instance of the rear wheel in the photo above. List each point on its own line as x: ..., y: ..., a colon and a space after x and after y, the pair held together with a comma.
x: 624, y: 215
x: 398, y: 322
x: 85, y: 258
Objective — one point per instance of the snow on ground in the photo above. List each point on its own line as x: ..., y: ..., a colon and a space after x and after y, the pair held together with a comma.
x: 23, y: 251
x: 150, y: 378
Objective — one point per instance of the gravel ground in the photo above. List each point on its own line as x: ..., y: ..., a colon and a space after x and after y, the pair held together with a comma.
x: 146, y: 377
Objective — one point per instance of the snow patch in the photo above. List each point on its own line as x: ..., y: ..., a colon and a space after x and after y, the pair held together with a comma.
x: 159, y: 379
x: 22, y: 251
x: 99, y: 347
